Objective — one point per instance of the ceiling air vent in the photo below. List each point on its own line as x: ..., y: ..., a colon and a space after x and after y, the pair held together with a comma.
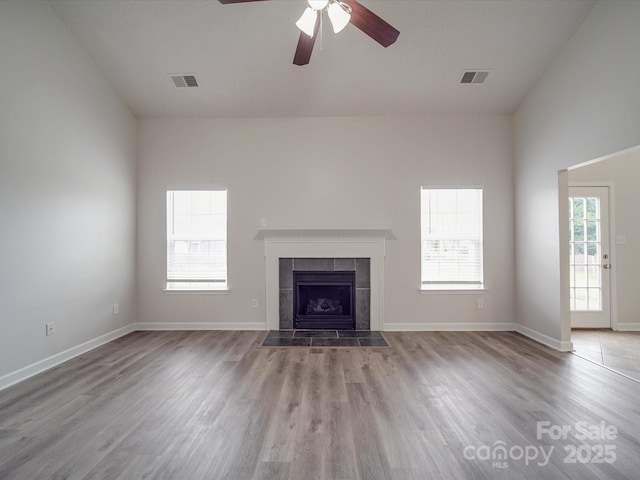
x: 184, y: 81
x: 474, y: 76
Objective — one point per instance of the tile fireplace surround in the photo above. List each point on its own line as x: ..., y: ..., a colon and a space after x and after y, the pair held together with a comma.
x: 362, y: 286
x: 328, y: 244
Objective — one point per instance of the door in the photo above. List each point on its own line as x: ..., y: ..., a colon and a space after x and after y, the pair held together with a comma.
x: 589, y: 257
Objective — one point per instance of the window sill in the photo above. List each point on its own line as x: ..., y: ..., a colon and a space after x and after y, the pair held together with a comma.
x: 221, y: 291
x: 452, y: 289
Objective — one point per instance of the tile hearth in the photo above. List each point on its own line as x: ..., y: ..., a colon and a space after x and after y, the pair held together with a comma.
x: 324, y: 338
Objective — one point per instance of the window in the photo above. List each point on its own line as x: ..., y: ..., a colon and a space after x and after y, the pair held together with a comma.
x: 196, y: 240
x: 451, y: 238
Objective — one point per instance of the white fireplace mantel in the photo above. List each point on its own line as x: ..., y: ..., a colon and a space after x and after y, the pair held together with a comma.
x: 324, y: 243
x: 324, y: 234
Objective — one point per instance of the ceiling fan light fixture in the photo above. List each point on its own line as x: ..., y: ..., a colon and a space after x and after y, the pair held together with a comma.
x: 339, y: 16
x: 318, y: 4
x: 307, y: 22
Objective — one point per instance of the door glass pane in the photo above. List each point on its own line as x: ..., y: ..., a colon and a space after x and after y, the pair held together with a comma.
x: 592, y: 230
x: 578, y: 207
x: 585, y: 276
x: 593, y: 253
x: 578, y: 231
x: 592, y: 208
x: 595, y: 302
x: 580, y: 279
x: 593, y: 279
x: 581, y: 299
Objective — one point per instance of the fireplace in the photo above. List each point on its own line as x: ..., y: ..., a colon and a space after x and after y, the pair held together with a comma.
x: 324, y: 299
x: 361, y: 250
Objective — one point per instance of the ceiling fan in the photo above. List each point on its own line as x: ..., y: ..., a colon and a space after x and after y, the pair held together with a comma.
x: 340, y: 13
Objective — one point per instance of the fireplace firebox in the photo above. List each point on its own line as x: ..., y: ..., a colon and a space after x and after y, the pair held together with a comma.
x: 324, y: 299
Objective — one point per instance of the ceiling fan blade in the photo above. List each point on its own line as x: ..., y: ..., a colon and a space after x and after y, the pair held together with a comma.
x: 372, y: 25
x: 224, y: 2
x: 305, y: 44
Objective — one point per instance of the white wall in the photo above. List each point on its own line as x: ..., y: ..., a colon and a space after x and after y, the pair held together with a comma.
x: 67, y: 192
x: 326, y: 173
x: 624, y: 172
x: 586, y: 105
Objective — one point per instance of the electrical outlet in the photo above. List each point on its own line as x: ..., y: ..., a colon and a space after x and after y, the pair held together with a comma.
x: 116, y: 308
x: 254, y: 303
x: 51, y: 328
x: 480, y: 303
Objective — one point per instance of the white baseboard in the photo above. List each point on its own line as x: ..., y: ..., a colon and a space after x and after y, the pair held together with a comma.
x: 544, y: 339
x: 482, y: 327
x: 628, y: 327
x: 200, y: 326
x: 449, y: 327
x: 55, y: 360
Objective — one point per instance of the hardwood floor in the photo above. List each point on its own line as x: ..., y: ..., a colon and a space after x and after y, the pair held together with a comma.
x: 217, y: 405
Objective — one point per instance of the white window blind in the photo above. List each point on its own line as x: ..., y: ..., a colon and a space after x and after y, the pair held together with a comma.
x: 451, y: 237
x: 196, y: 239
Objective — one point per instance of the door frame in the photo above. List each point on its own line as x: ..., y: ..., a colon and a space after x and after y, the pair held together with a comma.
x: 613, y: 297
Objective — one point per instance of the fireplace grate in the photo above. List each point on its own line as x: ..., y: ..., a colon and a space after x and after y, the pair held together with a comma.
x: 324, y: 300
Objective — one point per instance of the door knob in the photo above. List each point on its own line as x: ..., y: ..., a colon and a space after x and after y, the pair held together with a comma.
x: 606, y: 266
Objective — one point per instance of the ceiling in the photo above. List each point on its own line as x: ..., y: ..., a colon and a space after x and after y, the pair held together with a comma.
x: 242, y: 56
